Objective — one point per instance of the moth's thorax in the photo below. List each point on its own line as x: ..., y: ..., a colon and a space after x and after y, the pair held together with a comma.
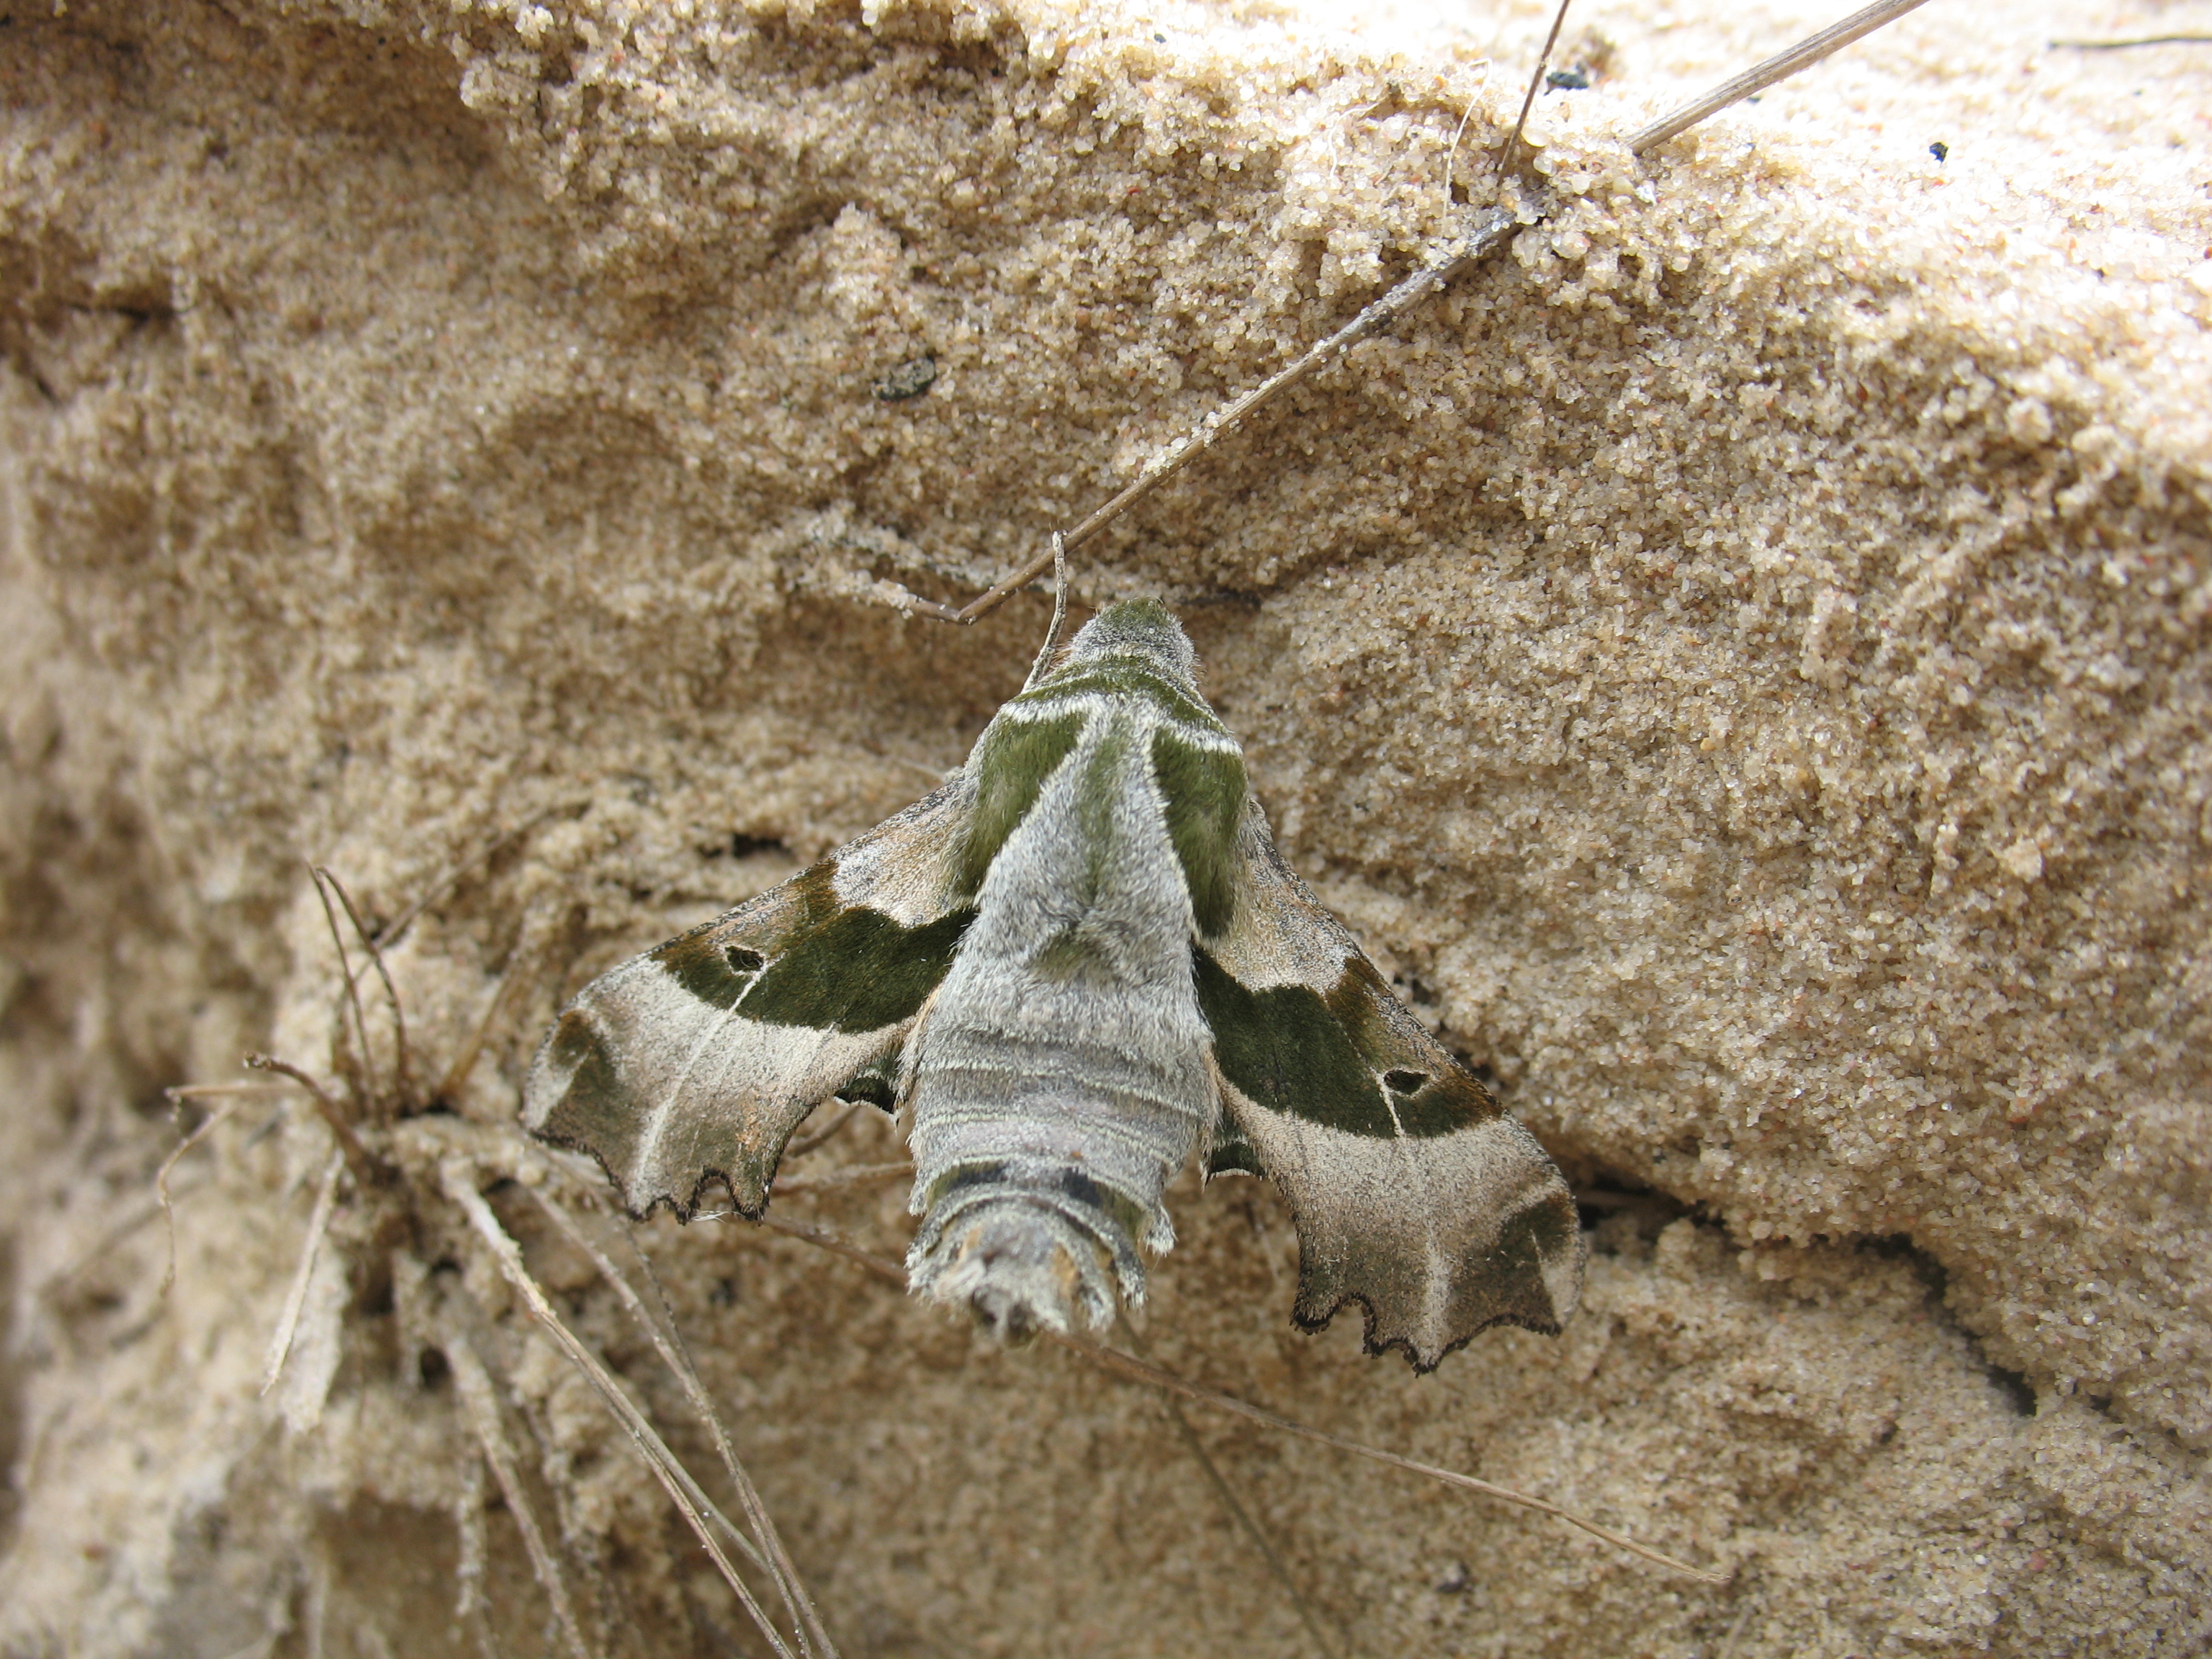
x: 1060, y: 1081
x: 1123, y: 707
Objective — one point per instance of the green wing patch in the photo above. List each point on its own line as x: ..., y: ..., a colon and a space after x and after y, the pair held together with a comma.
x: 861, y: 971
x: 1015, y: 758
x: 1285, y: 1050
x: 716, y: 974
x: 718, y: 961
x: 1204, y: 789
x: 1328, y: 1060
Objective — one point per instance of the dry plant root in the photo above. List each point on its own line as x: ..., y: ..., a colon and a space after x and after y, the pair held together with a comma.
x: 404, y: 1182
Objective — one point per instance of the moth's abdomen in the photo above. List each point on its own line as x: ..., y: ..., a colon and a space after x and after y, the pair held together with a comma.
x: 1060, y: 1079
x: 1040, y: 1156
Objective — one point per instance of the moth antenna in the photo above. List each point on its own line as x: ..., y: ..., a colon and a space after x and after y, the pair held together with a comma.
x: 1528, y: 99
x: 1059, y: 612
x: 765, y: 1549
x: 365, y: 1083
x: 1308, y: 1615
x: 707, y: 1521
x: 1136, y: 1370
x: 403, y: 1081
x: 296, y: 1300
x: 1780, y: 67
x: 481, y: 1401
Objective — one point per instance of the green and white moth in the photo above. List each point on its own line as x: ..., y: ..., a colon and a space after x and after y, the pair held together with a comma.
x: 1075, y: 964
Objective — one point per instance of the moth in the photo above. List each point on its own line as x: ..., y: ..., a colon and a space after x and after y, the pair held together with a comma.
x: 1074, y: 965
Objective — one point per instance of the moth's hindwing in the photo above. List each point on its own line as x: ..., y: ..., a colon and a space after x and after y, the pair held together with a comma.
x: 1413, y: 1192
x: 691, y: 1064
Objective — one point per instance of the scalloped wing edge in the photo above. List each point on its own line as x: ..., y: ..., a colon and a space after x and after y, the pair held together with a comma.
x: 690, y: 1067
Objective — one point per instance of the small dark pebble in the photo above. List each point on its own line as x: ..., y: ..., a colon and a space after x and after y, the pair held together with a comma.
x: 910, y: 380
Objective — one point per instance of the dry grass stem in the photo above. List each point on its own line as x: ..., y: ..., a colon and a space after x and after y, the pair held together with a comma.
x: 1130, y: 1366
x: 481, y: 1401
x: 808, y: 1143
x: 443, y: 883
x: 458, y: 1179
x: 857, y: 1175
x: 1330, y: 1645
x: 244, y: 1091
x: 468, y: 1521
x: 403, y: 1080
x: 1528, y: 99
x: 766, y: 1548
x: 1780, y: 67
x: 1489, y: 229
x: 1451, y: 152
x: 364, y: 1084
x: 318, y: 1223
x: 2127, y: 45
x: 161, y: 1196
x: 368, y: 1168
x: 1488, y: 232
x: 512, y: 982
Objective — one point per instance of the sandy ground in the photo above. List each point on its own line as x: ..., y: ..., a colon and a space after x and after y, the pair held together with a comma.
x: 1739, y: 660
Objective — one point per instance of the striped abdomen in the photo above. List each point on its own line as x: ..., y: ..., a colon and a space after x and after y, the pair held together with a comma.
x: 1061, y: 1079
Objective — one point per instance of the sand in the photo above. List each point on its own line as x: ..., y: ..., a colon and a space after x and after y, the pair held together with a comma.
x: 1739, y: 660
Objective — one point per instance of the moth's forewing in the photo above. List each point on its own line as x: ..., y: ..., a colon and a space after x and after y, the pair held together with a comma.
x: 1412, y: 1191
x: 689, y: 1066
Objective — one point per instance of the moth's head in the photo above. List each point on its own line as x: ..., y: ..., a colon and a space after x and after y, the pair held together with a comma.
x: 1142, y: 629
